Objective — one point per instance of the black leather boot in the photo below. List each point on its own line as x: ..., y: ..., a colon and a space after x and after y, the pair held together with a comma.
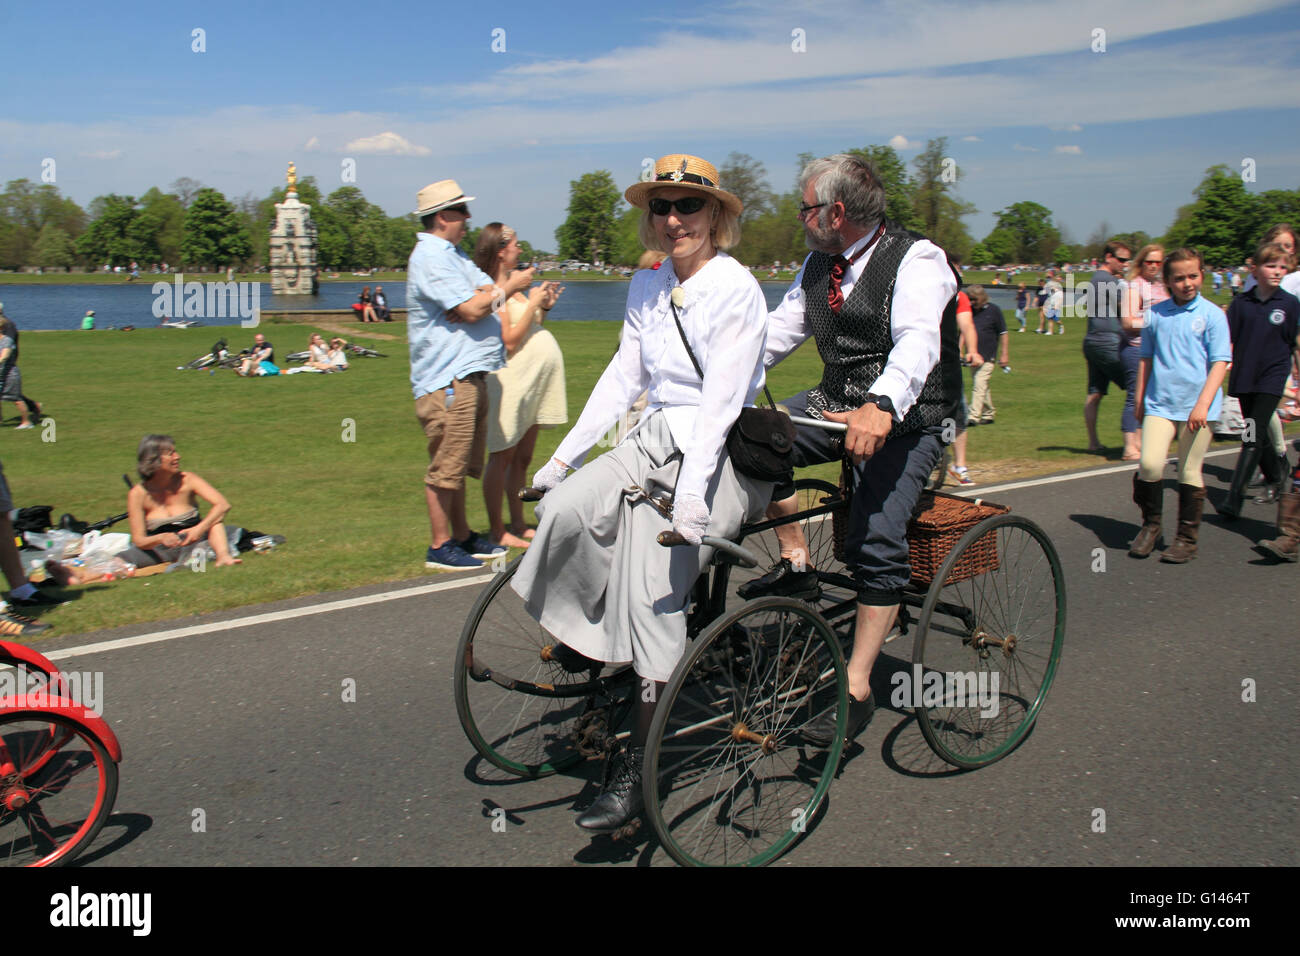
x: 1247, y: 461
x: 620, y: 799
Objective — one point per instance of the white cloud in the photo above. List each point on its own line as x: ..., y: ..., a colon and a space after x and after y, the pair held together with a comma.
x: 1066, y: 128
x: 1019, y: 148
x: 312, y: 145
x: 1070, y: 150
x: 971, y: 139
x: 902, y: 142
x: 101, y: 154
x: 386, y: 144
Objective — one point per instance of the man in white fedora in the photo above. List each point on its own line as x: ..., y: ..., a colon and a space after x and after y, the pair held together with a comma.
x: 455, y: 341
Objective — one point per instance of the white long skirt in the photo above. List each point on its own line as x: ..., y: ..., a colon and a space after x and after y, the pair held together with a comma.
x: 596, y: 578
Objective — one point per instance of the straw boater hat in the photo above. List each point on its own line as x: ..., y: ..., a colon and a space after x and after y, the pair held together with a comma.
x: 680, y: 171
x: 440, y: 195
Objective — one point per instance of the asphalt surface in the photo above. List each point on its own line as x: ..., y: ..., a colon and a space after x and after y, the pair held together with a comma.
x: 248, y: 730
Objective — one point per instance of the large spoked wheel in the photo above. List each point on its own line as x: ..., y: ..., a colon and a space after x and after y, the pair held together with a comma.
x: 521, y: 701
x: 989, y: 643
x: 57, y: 787
x: 730, y: 777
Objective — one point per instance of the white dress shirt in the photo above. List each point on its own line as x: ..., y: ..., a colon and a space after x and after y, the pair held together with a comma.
x: 725, y: 319
x: 925, y: 284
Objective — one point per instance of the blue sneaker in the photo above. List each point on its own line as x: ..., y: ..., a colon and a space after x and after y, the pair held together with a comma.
x: 450, y: 557
x: 481, y: 546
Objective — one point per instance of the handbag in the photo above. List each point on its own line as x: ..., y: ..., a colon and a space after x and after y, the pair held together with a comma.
x: 760, y: 442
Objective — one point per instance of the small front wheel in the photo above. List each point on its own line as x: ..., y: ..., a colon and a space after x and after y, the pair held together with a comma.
x: 730, y: 778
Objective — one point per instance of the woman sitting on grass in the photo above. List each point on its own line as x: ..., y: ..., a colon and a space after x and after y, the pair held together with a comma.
x: 338, y: 354
x: 163, y: 509
x: 318, y: 356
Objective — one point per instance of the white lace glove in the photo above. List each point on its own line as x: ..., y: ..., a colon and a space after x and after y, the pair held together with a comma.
x: 690, y: 518
x: 550, y: 475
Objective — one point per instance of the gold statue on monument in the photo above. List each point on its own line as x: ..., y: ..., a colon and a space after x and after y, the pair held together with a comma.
x: 292, y: 178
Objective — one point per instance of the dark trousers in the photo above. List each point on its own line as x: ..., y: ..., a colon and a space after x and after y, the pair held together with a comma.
x: 1258, y: 408
x: 886, y: 488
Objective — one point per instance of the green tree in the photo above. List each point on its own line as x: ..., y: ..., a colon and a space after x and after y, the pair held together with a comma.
x: 213, y: 235
x: 940, y: 212
x: 1223, y: 222
x: 899, y: 188
x: 27, y: 208
x: 158, y: 228
x: 1024, y: 233
x: 1065, y: 253
x: 627, y: 246
x: 109, y: 238
x: 1279, y: 205
x: 54, y: 248
x: 979, y: 256
x: 746, y: 178
x: 588, y: 232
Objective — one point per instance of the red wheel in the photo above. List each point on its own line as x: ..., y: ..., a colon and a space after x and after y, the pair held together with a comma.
x: 57, y: 787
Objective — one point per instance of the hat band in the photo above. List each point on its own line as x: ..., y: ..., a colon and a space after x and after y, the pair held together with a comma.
x: 695, y: 178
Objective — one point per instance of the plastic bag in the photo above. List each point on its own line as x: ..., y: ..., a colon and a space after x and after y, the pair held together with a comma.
x: 104, y: 567
x: 57, y: 544
x: 96, y: 543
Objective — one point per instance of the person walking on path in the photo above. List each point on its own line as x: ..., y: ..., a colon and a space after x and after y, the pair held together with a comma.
x: 990, y: 337
x: 1145, y: 289
x: 1186, y: 349
x: 1264, y: 324
x: 455, y: 341
x: 1101, y: 343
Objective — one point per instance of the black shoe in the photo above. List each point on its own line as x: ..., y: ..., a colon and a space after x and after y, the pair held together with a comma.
x: 570, y: 660
x: 822, y: 730
x: 620, y: 800
x: 783, y: 580
x: 38, y: 599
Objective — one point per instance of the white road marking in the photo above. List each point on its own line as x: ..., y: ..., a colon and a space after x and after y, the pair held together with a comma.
x: 254, y: 619
x: 268, y: 618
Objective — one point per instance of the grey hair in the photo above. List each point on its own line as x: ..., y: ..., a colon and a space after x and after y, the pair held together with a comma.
x: 150, y: 453
x: 978, y: 296
x: 849, y: 180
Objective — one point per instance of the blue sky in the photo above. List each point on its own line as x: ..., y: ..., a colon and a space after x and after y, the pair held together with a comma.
x: 412, y: 93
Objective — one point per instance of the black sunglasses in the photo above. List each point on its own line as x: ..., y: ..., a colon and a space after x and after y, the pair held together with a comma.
x: 462, y: 209
x: 687, y: 206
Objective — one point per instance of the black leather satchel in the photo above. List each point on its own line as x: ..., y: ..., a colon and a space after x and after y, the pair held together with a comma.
x: 760, y: 442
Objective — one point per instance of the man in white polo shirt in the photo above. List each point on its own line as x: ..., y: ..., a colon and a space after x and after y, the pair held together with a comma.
x: 455, y: 340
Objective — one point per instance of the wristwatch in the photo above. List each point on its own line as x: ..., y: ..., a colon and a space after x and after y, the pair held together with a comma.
x: 882, y: 402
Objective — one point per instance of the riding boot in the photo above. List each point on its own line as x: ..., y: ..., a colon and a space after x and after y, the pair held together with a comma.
x: 620, y: 799
x: 1287, y: 544
x: 1149, y: 496
x: 1246, y: 464
x: 1190, y: 501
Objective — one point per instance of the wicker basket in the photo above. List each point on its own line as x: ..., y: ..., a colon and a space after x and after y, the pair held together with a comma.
x: 936, y: 527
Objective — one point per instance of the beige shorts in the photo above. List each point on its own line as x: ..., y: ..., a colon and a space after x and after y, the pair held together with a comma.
x: 457, y: 435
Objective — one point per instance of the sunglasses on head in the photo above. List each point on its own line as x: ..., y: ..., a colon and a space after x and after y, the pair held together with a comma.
x: 691, y: 204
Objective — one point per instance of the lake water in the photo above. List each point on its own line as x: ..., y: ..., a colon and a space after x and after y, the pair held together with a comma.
x: 132, y: 303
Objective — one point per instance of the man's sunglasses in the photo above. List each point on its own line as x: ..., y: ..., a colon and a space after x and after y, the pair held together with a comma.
x: 687, y: 206
x: 462, y: 209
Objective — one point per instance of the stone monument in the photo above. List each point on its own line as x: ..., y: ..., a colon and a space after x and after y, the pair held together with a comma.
x: 293, y: 244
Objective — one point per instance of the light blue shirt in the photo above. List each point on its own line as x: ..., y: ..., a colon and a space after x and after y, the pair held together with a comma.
x: 440, y: 277
x: 1183, y: 341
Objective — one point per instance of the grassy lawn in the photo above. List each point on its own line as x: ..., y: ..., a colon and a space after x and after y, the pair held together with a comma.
x: 353, y: 511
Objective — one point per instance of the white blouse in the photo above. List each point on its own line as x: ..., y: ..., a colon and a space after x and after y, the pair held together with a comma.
x: 724, y: 316
x: 922, y: 290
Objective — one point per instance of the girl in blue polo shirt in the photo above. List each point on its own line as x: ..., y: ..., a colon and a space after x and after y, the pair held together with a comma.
x: 1184, y: 354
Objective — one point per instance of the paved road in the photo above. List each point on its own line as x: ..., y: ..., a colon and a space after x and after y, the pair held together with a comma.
x: 249, y: 725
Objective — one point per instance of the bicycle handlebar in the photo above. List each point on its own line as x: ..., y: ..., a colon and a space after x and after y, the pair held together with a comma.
x: 818, y: 423
x: 672, y: 539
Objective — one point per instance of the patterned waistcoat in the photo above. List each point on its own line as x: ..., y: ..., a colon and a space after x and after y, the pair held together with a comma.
x: 855, y: 345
